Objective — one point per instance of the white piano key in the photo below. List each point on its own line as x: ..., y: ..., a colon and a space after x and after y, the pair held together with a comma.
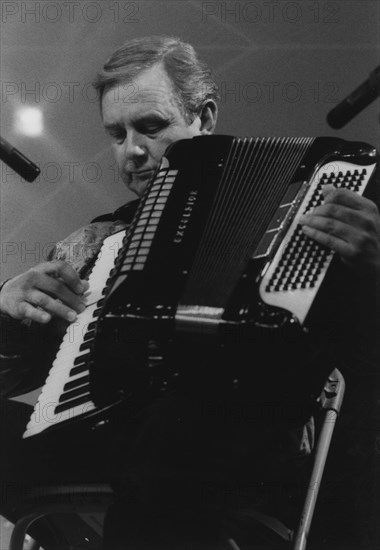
x: 53, y: 390
x: 45, y: 418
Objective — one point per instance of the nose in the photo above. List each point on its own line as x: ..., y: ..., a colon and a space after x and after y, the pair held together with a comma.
x: 134, y: 147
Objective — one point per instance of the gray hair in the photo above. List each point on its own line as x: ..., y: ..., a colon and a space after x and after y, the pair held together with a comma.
x: 190, y: 77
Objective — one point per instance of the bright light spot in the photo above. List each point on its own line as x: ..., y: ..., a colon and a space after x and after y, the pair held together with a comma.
x: 29, y: 121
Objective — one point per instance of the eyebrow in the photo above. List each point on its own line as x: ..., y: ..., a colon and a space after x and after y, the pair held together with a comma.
x: 146, y: 117
x: 112, y: 125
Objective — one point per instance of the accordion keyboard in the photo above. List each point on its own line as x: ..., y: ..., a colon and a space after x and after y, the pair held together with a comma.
x: 294, y: 275
x: 66, y: 393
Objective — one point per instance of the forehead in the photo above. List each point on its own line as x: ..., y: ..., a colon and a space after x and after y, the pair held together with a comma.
x: 150, y: 91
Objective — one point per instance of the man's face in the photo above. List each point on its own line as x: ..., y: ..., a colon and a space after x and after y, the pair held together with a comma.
x: 142, y: 118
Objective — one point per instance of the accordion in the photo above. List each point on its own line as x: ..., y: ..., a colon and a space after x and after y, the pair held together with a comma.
x: 214, y: 282
x: 216, y: 258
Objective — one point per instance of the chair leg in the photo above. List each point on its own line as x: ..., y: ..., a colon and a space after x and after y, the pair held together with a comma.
x: 20, y: 530
x: 331, y: 401
x: 302, y: 534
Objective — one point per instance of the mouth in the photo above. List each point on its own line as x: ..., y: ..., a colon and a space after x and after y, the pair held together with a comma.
x: 140, y: 175
x: 138, y: 180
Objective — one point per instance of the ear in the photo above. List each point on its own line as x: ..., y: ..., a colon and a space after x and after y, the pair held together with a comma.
x: 208, y: 117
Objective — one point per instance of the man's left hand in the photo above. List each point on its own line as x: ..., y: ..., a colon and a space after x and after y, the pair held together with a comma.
x: 349, y: 224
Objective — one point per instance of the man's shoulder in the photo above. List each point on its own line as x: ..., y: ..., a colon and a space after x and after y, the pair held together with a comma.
x: 81, y: 247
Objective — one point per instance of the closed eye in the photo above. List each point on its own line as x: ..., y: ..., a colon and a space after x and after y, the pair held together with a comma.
x: 151, y: 125
x: 116, y: 133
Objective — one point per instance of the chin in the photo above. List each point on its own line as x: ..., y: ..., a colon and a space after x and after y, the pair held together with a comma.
x: 138, y: 187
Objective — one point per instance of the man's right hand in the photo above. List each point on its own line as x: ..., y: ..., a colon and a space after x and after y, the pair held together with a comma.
x: 50, y: 289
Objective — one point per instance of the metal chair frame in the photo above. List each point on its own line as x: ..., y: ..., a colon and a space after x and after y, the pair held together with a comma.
x: 73, y: 499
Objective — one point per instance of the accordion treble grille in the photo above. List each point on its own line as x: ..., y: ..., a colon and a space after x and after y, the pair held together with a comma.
x: 256, y: 175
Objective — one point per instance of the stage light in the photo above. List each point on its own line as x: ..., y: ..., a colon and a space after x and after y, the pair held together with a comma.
x: 29, y: 121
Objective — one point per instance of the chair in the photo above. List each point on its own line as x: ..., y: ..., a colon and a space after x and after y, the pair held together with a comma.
x: 76, y: 499
x: 70, y: 499
x: 274, y: 531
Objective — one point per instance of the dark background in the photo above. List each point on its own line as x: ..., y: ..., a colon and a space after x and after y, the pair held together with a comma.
x: 281, y: 67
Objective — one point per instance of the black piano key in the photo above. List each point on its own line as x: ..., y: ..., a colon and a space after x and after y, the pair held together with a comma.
x: 76, y: 383
x: 66, y: 396
x: 89, y: 335
x: 78, y: 369
x: 71, y: 404
x: 85, y: 345
x: 81, y: 358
